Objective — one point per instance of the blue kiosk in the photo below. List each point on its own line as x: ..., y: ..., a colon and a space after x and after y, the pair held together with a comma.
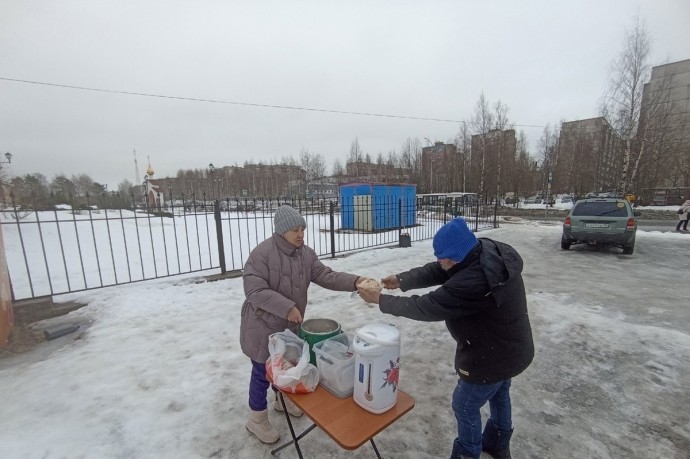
x: 378, y: 206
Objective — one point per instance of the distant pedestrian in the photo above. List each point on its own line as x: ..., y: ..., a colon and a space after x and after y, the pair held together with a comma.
x: 683, y: 216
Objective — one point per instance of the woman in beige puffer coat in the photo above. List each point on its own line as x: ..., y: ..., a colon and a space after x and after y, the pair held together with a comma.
x: 276, y: 279
x: 683, y: 217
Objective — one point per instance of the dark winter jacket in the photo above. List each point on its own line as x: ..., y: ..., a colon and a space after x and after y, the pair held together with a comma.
x: 482, y: 299
x: 276, y: 278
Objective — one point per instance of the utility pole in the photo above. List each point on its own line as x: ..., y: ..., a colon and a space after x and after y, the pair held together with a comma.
x: 548, y: 193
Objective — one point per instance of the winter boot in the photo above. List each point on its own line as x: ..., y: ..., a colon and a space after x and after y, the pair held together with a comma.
x: 496, y: 442
x: 291, y: 407
x: 459, y: 452
x: 258, y: 425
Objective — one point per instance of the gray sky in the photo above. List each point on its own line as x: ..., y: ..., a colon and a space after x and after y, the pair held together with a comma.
x: 546, y: 60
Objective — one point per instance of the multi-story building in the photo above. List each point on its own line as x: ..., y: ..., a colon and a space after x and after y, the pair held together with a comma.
x: 362, y: 170
x: 663, y: 135
x: 440, y: 168
x: 588, y: 158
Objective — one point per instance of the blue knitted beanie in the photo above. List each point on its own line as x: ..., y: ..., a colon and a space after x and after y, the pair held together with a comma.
x: 454, y: 240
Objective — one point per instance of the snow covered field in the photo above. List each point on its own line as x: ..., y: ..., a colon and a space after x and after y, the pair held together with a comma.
x: 155, y: 371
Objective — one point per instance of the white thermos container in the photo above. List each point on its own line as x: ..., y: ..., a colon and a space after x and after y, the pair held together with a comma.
x: 377, y: 367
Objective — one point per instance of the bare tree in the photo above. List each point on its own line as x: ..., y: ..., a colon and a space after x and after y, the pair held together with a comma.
x: 481, y: 122
x: 522, y: 182
x: 338, y: 169
x: 313, y: 165
x: 405, y: 160
x: 82, y: 184
x: 355, y: 153
x: 659, y: 156
x: 622, y: 101
x: 354, y: 157
x: 548, y: 153
x: 463, y: 144
x: 501, y: 123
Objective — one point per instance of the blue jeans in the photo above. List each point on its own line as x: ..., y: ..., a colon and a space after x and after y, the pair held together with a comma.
x: 468, y: 398
x: 258, y: 387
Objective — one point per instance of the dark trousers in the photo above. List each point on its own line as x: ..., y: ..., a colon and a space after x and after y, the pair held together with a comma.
x: 468, y: 398
x: 684, y: 223
x: 258, y: 387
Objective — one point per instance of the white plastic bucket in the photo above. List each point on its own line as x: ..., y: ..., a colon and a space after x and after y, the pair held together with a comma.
x: 377, y: 367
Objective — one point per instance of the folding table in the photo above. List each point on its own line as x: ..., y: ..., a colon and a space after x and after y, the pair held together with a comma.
x: 341, y: 418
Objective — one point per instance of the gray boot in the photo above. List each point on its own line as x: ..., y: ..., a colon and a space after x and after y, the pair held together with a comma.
x: 259, y: 425
x: 291, y: 407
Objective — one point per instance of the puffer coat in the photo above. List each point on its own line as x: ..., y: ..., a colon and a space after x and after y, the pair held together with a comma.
x: 482, y: 300
x: 276, y: 278
x: 686, y: 209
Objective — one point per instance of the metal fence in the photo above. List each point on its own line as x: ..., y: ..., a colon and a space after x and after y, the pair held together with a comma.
x: 69, y: 250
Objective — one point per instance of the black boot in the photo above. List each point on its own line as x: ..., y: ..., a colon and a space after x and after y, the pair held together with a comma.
x: 495, y: 441
x: 459, y: 452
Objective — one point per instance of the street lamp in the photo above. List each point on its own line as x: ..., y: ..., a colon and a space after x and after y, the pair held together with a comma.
x: 212, y: 168
x: 8, y: 155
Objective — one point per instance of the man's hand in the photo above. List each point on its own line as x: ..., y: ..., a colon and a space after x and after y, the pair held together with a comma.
x: 294, y: 315
x: 390, y: 282
x: 370, y: 295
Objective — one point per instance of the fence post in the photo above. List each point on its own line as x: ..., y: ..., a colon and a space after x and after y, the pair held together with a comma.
x: 476, y: 218
x: 6, y: 312
x: 219, y: 235
x: 496, y: 212
x: 332, y: 215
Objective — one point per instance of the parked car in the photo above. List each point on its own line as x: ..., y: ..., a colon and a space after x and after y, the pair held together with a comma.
x: 601, y: 221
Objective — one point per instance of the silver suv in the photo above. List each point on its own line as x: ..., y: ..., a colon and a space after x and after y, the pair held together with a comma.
x: 601, y: 221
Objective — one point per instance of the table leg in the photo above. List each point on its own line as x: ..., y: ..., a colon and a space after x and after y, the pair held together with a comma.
x: 295, y: 439
x: 375, y: 448
x: 299, y: 437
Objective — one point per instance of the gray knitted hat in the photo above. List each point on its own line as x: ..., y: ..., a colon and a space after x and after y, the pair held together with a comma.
x: 286, y: 219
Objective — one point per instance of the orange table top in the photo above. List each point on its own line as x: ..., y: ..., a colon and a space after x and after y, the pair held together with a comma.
x: 345, y: 421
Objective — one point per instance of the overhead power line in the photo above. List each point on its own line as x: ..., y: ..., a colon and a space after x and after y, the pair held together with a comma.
x: 246, y: 104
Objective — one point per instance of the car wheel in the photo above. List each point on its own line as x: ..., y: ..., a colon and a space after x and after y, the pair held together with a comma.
x: 629, y: 248
x: 565, y: 244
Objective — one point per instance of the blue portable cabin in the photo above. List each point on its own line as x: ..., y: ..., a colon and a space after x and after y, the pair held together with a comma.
x: 378, y: 206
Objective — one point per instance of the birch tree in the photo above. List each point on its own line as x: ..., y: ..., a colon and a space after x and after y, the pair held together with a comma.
x: 481, y: 122
x: 501, y: 123
x: 622, y: 100
x: 463, y: 144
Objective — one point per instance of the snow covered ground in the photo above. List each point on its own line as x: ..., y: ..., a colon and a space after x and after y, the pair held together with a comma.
x: 155, y: 370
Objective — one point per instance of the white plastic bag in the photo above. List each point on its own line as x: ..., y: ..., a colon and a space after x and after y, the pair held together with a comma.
x: 288, y: 365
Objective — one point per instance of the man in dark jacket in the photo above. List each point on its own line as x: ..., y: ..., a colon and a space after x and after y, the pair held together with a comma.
x: 482, y: 299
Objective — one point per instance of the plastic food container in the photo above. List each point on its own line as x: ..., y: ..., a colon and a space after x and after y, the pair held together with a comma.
x: 336, y: 363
